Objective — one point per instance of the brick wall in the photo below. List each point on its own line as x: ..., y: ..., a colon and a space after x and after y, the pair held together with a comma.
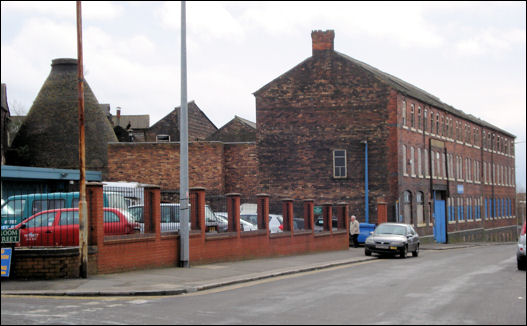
x: 474, y: 189
x: 158, y: 163
x: 323, y: 104
x: 241, y: 168
x: 160, y: 250
x: 48, y: 263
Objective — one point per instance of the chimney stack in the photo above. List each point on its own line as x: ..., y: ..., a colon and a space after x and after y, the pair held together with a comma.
x: 118, y: 116
x: 323, y: 41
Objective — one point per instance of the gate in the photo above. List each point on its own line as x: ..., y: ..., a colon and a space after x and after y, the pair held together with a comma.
x: 439, y: 221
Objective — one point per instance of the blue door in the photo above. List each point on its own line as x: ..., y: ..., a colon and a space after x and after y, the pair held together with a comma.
x: 439, y: 221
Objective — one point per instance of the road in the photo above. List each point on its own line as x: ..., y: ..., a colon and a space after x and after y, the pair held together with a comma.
x: 478, y: 285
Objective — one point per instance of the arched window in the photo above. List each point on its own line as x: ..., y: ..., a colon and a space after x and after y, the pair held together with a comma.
x: 404, y: 113
x: 407, y: 207
x: 420, y: 204
x: 425, y: 122
x: 404, y: 161
x: 412, y: 160
x: 419, y: 163
x: 412, y: 116
x: 431, y: 122
x: 419, y: 118
x: 437, y: 123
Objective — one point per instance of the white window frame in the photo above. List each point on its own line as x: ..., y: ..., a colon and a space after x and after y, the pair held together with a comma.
x: 345, y: 164
x: 161, y: 138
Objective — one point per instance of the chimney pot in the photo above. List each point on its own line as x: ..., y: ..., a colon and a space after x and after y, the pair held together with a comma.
x: 322, y: 41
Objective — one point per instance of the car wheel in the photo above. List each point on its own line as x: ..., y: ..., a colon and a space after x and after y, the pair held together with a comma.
x: 416, y: 252
x: 521, y: 264
x: 404, y: 252
x: 367, y: 252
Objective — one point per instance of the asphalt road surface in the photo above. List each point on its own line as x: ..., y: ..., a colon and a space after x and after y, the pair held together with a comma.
x: 478, y: 285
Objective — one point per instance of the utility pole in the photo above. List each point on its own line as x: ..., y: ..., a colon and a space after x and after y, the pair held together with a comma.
x: 83, y: 211
x: 183, y: 149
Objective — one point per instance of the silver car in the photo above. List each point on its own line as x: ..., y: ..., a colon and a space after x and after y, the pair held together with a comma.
x: 520, y: 252
x: 170, y: 217
x: 393, y: 239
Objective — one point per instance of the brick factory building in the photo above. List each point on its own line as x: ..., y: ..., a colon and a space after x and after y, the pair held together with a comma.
x: 436, y: 167
x: 446, y: 172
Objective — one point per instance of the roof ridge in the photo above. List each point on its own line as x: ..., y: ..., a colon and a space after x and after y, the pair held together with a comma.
x: 418, y: 93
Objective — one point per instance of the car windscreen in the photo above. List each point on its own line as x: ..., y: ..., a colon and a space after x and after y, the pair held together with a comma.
x: 137, y: 213
x: 251, y: 218
x: 390, y: 229
x: 169, y: 214
x: 13, y: 207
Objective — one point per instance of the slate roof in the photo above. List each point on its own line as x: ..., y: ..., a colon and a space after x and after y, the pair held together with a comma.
x: 417, y: 93
x: 199, y: 125
x: 138, y: 121
x: 401, y: 86
x: 236, y: 130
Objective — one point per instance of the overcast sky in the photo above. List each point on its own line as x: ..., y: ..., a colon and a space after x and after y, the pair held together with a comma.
x: 469, y: 54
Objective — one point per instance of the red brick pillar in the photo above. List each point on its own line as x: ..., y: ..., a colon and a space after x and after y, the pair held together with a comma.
x: 342, y: 215
x: 327, y: 216
x: 263, y: 211
x: 152, y: 210
x: 95, y: 204
x: 309, y: 216
x: 287, y: 214
x: 233, y: 212
x: 197, y: 209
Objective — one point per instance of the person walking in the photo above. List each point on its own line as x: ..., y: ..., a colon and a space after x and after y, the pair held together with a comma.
x: 354, y: 231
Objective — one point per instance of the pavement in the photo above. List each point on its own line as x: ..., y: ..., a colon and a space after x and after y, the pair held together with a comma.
x: 174, y: 280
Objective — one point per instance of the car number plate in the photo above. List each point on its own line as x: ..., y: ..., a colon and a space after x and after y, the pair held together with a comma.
x: 393, y: 248
x: 382, y: 246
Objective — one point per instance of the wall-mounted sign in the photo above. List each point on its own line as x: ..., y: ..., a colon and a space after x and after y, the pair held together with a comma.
x: 6, y: 261
x: 10, y: 236
x: 460, y: 189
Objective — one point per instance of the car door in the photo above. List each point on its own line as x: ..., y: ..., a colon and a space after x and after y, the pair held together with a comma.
x: 412, y: 243
x: 67, y: 230
x: 39, y: 230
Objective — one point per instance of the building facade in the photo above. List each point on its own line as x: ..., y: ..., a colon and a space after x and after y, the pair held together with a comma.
x: 438, y: 168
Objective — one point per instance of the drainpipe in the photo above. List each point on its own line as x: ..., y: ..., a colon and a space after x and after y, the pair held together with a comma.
x: 366, y: 201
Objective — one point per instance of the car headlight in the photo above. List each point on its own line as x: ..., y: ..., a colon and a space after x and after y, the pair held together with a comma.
x: 369, y: 240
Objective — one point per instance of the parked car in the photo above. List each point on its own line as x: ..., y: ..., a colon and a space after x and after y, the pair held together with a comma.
x: 19, y: 207
x: 245, y: 225
x: 276, y: 223
x: 319, y: 223
x: 520, y: 251
x: 60, y: 227
x: 248, y: 222
x: 170, y: 217
x: 393, y: 238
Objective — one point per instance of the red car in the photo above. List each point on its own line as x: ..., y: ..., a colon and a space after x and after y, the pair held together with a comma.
x: 60, y: 227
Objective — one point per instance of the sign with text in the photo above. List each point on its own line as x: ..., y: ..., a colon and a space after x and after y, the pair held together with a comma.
x: 460, y: 189
x: 6, y: 261
x: 10, y: 236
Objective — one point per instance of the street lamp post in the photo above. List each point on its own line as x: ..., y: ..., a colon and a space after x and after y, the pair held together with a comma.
x: 183, y: 148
